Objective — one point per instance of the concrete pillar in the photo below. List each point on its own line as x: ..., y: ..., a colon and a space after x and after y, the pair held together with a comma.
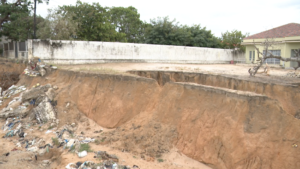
x: 30, y: 48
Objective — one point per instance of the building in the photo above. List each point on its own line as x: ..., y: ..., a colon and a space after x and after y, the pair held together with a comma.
x: 286, y: 38
x: 13, y: 49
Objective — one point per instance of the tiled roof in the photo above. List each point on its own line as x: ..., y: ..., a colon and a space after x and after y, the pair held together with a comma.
x: 291, y: 29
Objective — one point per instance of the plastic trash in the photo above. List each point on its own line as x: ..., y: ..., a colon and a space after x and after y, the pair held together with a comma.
x: 82, y: 154
x: 115, y: 166
x: 70, y: 143
x: 33, y: 149
x: 71, y: 166
x: 48, y: 131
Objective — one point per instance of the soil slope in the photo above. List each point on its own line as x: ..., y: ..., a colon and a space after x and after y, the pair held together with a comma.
x: 220, y: 127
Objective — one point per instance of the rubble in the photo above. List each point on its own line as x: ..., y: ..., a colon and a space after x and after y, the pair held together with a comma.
x: 35, y: 92
x: 293, y: 74
x: 36, y: 108
x: 105, y: 156
x: 44, y: 111
x: 37, y: 67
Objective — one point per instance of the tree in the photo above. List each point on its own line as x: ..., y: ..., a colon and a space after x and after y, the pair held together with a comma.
x: 127, y: 21
x: 161, y: 31
x: 58, y: 26
x: 233, y: 39
x: 169, y: 32
x: 268, y: 43
x: 201, y: 37
x: 14, y: 19
x: 93, y: 22
x: 21, y: 28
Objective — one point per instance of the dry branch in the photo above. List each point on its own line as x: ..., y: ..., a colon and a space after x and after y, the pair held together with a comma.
x: 268, y: 43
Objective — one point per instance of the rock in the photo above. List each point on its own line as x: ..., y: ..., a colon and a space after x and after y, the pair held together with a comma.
x: 20, y: 111
x: 44, y: 112
x: 68, y: 105
x: 34, y: 93
x: 55, y: 87
x: 50, y: 94
x: 42, y: 71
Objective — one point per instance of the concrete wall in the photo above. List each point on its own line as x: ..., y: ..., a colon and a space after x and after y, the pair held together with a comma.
x: 77, y: 52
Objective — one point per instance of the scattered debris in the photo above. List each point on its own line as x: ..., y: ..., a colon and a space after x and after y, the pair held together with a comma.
x: 82, y: 154
x: 293, y: 74
x: 37, y: 67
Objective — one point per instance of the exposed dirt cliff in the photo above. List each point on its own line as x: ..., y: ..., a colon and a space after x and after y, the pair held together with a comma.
x: 223, y: 123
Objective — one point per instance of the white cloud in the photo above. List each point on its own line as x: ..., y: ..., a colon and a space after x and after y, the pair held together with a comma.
x: 216, y: 15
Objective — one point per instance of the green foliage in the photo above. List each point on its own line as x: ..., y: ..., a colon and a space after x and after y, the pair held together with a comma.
x: 55, y: 141
x: 169, y: 32
x: 127, y: 21
x: 85, y: 147
x: 72, y: 149
x: 93, y: 22
x: 160, y: 160
x: 58, y: 25
x: 233, y: 39
x: 16, y: 20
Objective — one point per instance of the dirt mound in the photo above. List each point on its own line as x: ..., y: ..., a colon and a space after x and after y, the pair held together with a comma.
x: 152, y: 139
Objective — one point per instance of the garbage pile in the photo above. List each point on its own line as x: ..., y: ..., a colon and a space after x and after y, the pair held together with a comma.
x: 37, y: 67
x: 35, y: 102
x: 34, y: 110
x: 13, y: 90
x: 110, y: 161
x: 106, y: 164
x: 293, y: 74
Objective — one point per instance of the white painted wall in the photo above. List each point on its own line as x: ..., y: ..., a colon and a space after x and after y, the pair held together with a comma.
x: 77, y: 52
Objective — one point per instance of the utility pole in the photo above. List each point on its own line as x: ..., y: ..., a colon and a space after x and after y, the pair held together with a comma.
x: 34, y: 23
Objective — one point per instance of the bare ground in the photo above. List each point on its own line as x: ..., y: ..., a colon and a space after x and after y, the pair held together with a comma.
x: 277, y: 75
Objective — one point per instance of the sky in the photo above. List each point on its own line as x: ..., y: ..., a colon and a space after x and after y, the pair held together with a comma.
x: 219, y: 16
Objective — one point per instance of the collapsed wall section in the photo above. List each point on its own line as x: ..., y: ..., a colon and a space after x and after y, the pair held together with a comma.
x: 288, y: 95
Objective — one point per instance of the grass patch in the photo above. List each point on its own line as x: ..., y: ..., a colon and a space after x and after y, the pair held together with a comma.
x: 85, y: 147
x: 55, y: 141
x: 103, y: 139
x: 97, y: 142
x: 160, y: 160
x: 72, y: 149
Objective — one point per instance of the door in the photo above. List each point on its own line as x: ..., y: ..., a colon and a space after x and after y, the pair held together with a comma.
x: 16, y: 49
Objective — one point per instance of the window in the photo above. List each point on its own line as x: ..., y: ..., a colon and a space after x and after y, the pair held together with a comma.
x: 273, y: 60
x: 293, y: 55
x: 22, y: 46
x: 6, y: 47
x: 250, y: 56
x: 11, y: 45
x: 253, y: 55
